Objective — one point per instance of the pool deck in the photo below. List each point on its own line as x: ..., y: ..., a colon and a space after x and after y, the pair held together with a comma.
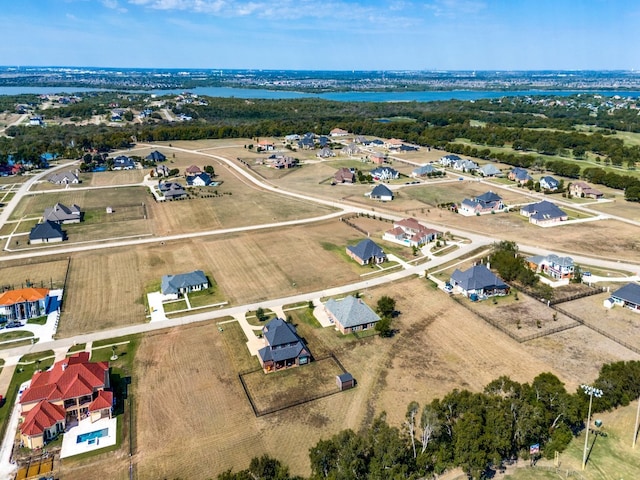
x: 70, y: 447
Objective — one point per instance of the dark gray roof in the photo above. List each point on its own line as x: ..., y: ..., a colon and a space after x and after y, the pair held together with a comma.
x: 367, y: 249
x: 489, y: 197
x: 205, y: 177
x: 381, y: 191
x: 543, y: 210
x: 61, y: 213
x: 351, y: 311
x: 552, y: 182
x: 629, y: 293
x: 45, y: 231
x: 284, y: 342
x: 278, y: 332
x: 424, y: 169
x: 345, y: 377
x: 385, y: 171
x: 156, y: 156
x: 477, y: 277
x: 173, y: 283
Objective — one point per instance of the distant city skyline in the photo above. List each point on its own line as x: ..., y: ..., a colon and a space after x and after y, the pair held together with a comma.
x: 324, y: 35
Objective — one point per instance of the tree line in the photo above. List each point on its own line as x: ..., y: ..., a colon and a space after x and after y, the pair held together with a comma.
x: 477, y: 431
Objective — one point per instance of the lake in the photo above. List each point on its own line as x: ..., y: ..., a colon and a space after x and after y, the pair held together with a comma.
x: 353, y: 96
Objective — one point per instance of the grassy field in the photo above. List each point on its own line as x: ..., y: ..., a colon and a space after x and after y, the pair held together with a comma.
x: 439, y: 346
x: 34, y: 205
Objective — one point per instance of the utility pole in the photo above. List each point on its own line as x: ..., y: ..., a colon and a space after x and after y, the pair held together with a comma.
x: 591, y: 391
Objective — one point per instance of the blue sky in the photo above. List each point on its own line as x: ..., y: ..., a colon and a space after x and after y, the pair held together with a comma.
x: 324, y: 34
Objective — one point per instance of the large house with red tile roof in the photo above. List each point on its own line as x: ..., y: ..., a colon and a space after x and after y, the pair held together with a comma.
x: 71, y: 390
x: 23, y: 303
x: 410, y: 232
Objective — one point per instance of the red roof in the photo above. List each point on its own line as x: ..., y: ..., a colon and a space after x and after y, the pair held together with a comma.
x: 69, y: 378
x: 193, y: 169
x: 102, y: 401
x: 23, y: 295
x: 44, y: 415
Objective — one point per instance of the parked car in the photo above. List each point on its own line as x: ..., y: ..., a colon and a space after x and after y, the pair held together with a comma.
x: 14, y: 325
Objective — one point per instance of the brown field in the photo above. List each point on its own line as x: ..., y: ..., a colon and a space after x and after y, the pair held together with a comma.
x: 620, y: 208
x: 246, y: 267
x: 40, y: 273
x: 439, y: 346
x: 620, y: 322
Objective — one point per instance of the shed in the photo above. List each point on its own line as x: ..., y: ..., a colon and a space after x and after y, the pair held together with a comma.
x: 345, y: 381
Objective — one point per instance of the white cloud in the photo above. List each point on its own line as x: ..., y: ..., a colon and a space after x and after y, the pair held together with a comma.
x: 332, y: 10
x: 114, y: 5
x: 454, y: 8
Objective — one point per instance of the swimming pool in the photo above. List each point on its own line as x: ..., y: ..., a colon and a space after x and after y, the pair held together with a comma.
x: 91, y: 436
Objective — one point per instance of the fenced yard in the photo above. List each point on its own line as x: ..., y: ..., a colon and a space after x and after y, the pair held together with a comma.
x: 269, y: 393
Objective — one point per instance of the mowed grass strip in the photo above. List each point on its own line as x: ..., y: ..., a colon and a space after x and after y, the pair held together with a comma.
x: 292, y: 386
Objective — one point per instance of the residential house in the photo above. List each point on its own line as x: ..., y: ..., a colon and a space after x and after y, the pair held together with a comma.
x: 325, y: 152
x: 351, y: 149
x: 192, y: 170
x: 62, y: 214
x: 338, y: 132
x: 307, y: 142
x: 553, y: 265
x: 582, y: 189
x: 36, y: 121
x: 350, y: 314
x: 23, y: 303
x: 478, y: 282
x: 549, y: 183
x: 172, y: 190
x: 72, y: 389
x: 393, y: 143
x: 464, y: 165
x: 423, y: 171
x: 366, y: 252
x: 281, y: 162
x: 407, y: 148
x: 410, y: 232
x: 627, y: 296
x: 201, y: 180
x: 161, y: 171
x: 488, y: 202
x: 380, y: 192
x: 64, y: 178
x: 490, y: 170
x: 377, y: 158
x: 174, y: 286
x: 543, y: 213
x: 294, y: 137
x: 323, y: 141
x: 519, y: 175
x: 156, y: 156
x: 283, y: 347
x: 449, y: 160
x: 123, y: 162
x: 46, y: 232
x: 381, y: 174
x: 344, y: 175
x: 266, y: 145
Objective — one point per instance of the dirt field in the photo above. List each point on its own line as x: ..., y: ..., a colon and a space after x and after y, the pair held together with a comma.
x: 40, y: 273
x: 439, y: 346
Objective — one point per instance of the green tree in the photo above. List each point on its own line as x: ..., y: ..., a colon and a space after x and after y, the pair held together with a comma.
x: 383, y: 327
x: 386, y: 306
x: 210, y: 170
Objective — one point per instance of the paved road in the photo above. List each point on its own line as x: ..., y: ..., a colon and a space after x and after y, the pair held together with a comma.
x: 24, y: 190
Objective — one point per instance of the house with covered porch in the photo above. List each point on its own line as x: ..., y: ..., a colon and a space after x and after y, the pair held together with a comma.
x: 283, y: 347
x: 71, y: 390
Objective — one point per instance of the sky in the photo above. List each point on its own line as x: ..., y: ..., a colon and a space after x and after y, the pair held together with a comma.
x: 323, y: 34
